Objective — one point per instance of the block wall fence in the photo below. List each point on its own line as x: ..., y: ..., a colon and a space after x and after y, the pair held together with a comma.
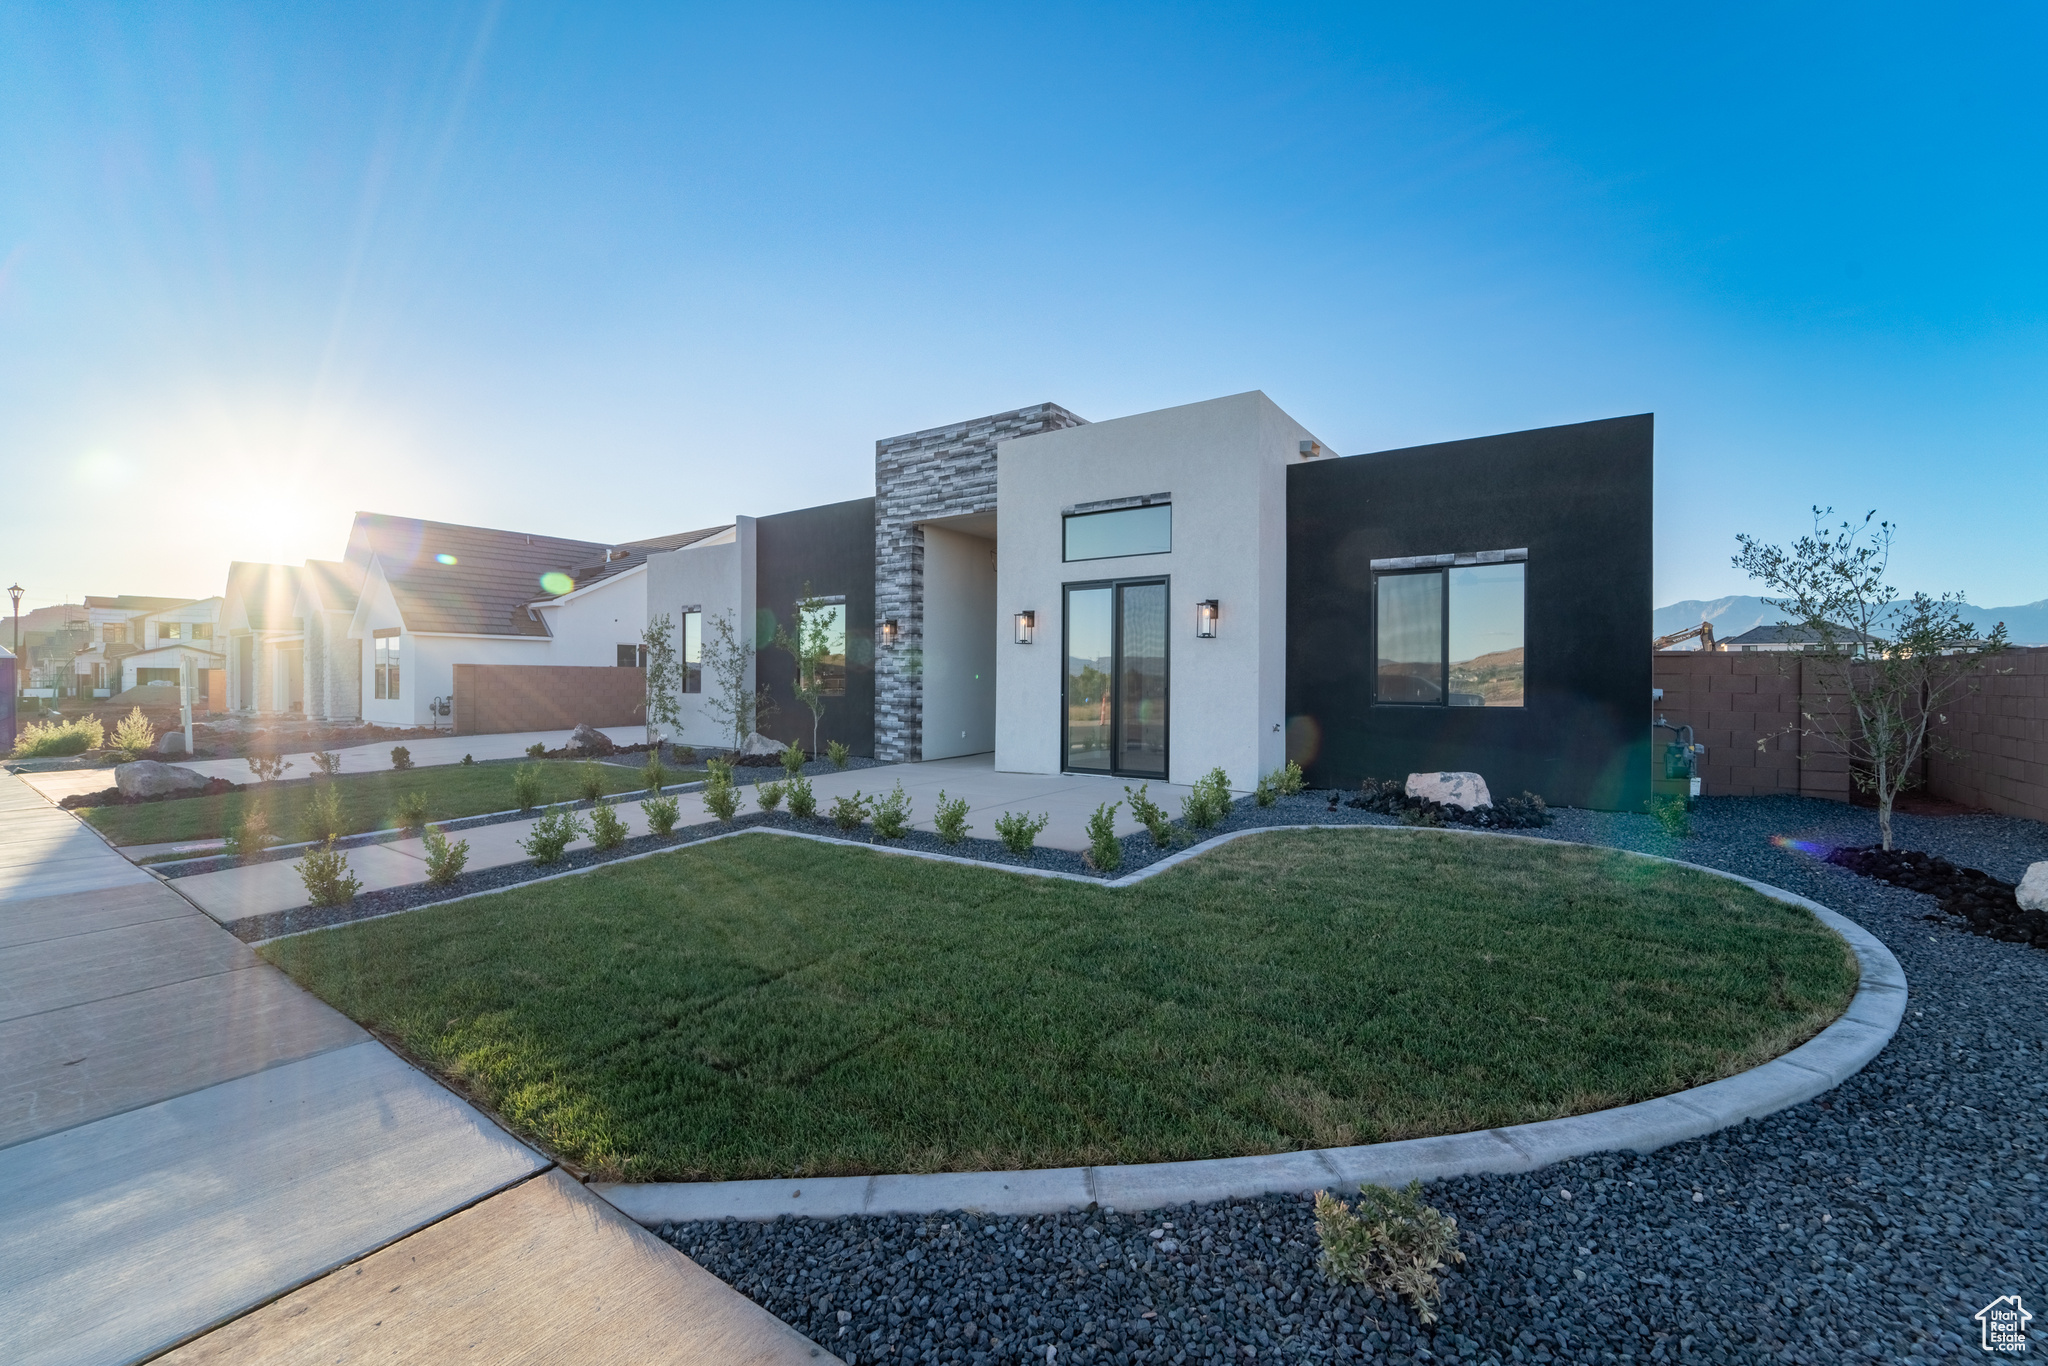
x: 1746, y: 708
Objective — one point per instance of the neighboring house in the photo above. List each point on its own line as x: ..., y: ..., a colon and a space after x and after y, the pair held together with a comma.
x: 166, y: 639
x: 1208, y: 586
x: 265, y: 641
x: 434, y: 595
x: 50, y: 638
x: 114, y: 626
x: 1785, y: 639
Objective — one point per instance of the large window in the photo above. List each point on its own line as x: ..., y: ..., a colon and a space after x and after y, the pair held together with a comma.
x: 693, y: 650
x: 1449, y: 631
x: 1116, y: 702
x: 384, y: 660
x: 1114, y: 532
x: 830, y: 617
x: 168, y: 630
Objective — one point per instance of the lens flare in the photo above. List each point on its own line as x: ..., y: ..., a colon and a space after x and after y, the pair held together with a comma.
x: 556, y: 583
x: 444, y: 558
x: 1808, y: 847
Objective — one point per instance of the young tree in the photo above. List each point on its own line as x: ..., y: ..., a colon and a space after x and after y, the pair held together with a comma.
x: 728, y: 657
x: 1893, y: 665
x: 664, y: 677
x: 808, y: 646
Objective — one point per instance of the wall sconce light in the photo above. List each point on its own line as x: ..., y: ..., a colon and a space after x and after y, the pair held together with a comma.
x: 889, y: 631
x: 1026, y: 621
x: 1205, y: 619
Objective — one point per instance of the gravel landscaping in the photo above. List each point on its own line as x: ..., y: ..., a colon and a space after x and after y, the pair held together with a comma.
x: 1867, y: 1225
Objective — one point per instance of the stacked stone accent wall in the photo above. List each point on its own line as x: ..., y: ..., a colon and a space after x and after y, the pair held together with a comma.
x: 941, y: 472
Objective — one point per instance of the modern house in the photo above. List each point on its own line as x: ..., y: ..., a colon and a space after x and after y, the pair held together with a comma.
x: 120, y: 629
x: 170, y: 638
x: 1207, y: 586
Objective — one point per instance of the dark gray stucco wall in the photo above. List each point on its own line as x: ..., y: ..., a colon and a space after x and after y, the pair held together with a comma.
x: 1580, y: 499
x: 832, y: 548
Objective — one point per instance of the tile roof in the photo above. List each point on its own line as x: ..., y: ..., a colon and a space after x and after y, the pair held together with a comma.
x: 632, y: 554
x: 268, y: 592
x: 464, y: 580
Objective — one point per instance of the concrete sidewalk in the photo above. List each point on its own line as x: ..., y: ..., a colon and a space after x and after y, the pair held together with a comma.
x: 185, y: 1135
x: 1068, y: 799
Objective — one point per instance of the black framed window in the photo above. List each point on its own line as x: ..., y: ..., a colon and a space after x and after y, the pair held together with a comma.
x: 1115, y: 532
x: 1449, y: 631
x: 693, y: 650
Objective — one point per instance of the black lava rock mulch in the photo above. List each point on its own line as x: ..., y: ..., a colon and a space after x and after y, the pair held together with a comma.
x: 1867, y: 1225
x: 1986, y: 905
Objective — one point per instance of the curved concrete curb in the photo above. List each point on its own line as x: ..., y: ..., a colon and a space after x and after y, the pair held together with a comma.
x: 1818, y: 1065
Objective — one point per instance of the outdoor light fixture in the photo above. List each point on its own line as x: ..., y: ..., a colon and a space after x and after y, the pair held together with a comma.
x: 889, y: 631
x: 1205, y: 619
x: 15, y: 591
x: 1025, y: 622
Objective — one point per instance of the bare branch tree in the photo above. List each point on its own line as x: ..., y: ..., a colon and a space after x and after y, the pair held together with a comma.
x: 1891, y: 666
x: 728, y: 658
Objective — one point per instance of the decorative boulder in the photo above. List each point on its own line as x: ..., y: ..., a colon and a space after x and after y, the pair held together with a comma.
x: 173, y: 742
x: 2033, y: 888
x: 1466, y: 791
x: 588, y: 739
x: 759, y: 746
x: 148, y: 778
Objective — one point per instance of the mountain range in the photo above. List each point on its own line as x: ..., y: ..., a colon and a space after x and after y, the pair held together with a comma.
x: 2025, y: 625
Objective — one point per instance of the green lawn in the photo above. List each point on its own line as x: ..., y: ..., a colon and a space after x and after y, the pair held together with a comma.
x: 765, y: 1006
x: 368, y: 800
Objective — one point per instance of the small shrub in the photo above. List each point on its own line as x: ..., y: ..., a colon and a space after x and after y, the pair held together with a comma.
x: 536, y: 750
x: 838, y: 753
x: 445, y: 861
x: 1105, y: 851
x: 685, y: 754
x: 401, y: 757
x: 554, y: 832
x: 1671, y: 815
x: 1266, y: 792
x: 321, y: 818
x: 252, y: 837
x: 1150, y: 814
x: 721, y: 798
x: 1019, y: 831
x: 607, y: 831
x: 716, y: 768
x: 590, y: 780
x: 468, y: 760
x: 327, y: 878
x: 1285, y: 781
x: 803, y: 803
x: 1391, y: 1242
x: 793, y: 759
x: 892, y: 814
x: 268, y: 768
x: 662, y: 814
x: 327, y: 761
x: 1427, y: 815
x: 526, y: 786
x: 767, y: 796
x: 849, y: 812
x: 653, y: 773
x: 50, y: 738
x: 1208, y: 802
x: 134, y: 734
x: 949, y: 818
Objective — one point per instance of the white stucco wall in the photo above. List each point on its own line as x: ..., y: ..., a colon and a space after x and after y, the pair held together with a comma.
x: 959, y: 644
x: 714, y: 577
x: 588, y: 627
x: 426, y: 663
x: 1224, y: 462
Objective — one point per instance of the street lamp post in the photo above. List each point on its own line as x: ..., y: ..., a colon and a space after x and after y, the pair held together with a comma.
x: 15, y: 591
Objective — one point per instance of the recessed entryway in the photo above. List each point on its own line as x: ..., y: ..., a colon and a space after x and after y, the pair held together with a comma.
x: 959, y: 648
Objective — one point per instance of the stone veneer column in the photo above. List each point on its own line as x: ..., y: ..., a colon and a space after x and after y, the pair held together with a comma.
x: 941, y: 472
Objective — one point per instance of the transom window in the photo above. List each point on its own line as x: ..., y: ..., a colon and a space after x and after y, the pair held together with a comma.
x: 1114, y: 532
x: 1448, y: 630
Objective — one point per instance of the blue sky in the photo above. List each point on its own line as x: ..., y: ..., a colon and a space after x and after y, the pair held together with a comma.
x: 610, y: 271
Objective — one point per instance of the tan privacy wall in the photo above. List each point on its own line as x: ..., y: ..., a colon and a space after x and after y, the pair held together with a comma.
x: 491, y: 699
x: 1747, y: 708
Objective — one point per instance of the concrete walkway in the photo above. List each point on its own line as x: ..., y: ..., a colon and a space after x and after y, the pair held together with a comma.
x: 238, y: 893
x: 185, y: 1135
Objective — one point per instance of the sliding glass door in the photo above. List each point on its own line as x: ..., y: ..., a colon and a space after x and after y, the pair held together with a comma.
x: 1115, y: 717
